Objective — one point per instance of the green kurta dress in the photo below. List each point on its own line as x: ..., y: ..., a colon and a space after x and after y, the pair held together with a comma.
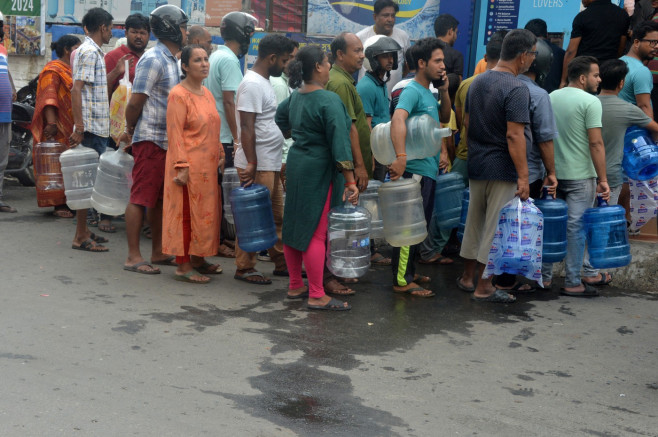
x: 320, y: 128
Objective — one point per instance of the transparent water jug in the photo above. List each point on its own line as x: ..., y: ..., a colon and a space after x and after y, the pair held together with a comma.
x: 49, y: 179
x: 254, y: 221
x: 640, y: 155
x: 348, y: 241
x: 79, y: 167
x: 114, y: 179
x: 230, y: 181
x: 607, y: 236
x: 466, y: 195
x: 424, y: 138
x: 369, y: 199
x: 402, y: 212
x: 555, y: 213
x: 448, y: 200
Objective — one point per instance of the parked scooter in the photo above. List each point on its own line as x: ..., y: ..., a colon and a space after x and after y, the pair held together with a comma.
x: 20, y: 147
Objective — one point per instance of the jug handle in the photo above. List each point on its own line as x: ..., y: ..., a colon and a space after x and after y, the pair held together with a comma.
x: 601, y: 200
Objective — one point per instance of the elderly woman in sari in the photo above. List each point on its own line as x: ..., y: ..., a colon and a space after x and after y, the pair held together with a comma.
x: 53, y: 116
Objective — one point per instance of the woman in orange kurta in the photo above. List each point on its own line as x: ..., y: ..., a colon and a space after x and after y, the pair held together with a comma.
x: 191, y: 208
x: 53, y: 116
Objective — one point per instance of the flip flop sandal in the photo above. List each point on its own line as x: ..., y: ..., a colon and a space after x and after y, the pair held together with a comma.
x: 380, y: 260
x: 88, y: 246
x: 303, y: 295
x: 136, y: 268
x: 338, y: 290
x: 98, y: 238
x: 225, y: 252
x: 602, y: 281
x: 441, y: 260
x: 187, y: 277
x: 420, y: 279
x: 6, y: 208
x: 499, y: 296
x: 518, y: 290
x: 107, y: 228
x: 207, y: 269
x: 286, y: 273
x: 462, y: 287
x: 410, y: 292
x: 170, y: 261
x: 589, y: 292
x: 244, y: 276
x: 332, y: 305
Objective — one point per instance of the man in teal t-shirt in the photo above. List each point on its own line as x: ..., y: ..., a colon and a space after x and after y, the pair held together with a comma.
x: 639, y: 80
x: 417, y: 99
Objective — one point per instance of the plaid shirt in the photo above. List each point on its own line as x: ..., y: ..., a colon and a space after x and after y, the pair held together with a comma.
x: 156, y: 74
x: 89, y: 67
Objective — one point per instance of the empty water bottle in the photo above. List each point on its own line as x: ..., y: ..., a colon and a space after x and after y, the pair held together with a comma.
x: 466, y: 195
x: 79, y: 167
x: 401, y: 205
x: 230, y: 181
x: 555, y: 227
x: 254, y: 221
x: 640, y: 155
x: 607, y: 236
x: 448, y: 200
x: 369, y: 199
x: 348, y: 236
x: 114, y: 179
x: 49, y: 179
x: 424, y: 138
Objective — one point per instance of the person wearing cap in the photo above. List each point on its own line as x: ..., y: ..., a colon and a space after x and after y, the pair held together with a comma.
x: 156, y: 74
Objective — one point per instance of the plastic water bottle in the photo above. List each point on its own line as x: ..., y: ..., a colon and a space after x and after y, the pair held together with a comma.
x: 401, y: 205
x: 230, y: 181
x: 466, y: 195
x: 369, y: 199
x: 640, y: 155
x: 254, y: 221
x: 79, y: 167
x: 50, y: 182
x: 448, y: 199
x: 607, y: 236
x: 555, y: 227
x: 348, y: 241
x: 114, y: 179
x: 424, y: 138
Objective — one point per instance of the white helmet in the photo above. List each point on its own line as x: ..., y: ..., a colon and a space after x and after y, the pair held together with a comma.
x: 2, y: 17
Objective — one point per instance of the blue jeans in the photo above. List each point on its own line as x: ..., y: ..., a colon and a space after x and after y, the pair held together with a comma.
x: 579, y: 195
x: 93, y: 141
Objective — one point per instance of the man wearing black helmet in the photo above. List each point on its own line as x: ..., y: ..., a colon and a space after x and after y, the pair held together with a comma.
x: 156, y: 74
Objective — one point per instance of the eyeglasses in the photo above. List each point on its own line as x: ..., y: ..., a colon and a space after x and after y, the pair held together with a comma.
x: 533, y: 53
x: 652, y: 42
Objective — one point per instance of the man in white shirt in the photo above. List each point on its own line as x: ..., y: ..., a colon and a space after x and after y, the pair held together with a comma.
x: 258, y: 155
x: 384, y: 16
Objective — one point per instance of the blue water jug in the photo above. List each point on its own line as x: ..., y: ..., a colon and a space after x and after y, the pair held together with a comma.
x: 254, y: 221
x: 466, y: 195
x: 607, y: 236
x: 555, y: 227
x: 640, y: 155
x: 448, y: 200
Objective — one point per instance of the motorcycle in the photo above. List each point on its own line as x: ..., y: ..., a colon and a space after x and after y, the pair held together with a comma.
x: 20, y: 147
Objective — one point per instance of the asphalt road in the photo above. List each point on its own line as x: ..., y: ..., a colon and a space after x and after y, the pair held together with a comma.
x: 88, y: 349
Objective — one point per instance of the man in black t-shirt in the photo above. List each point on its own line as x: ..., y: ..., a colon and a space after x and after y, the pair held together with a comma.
x: 446, y: 29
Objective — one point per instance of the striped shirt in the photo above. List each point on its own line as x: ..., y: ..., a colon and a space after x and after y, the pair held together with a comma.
x: 6, y: 91
x: 89, y: 67
x: 156, y: 74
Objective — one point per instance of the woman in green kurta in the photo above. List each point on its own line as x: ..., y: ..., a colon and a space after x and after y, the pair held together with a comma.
x: 318, y: 162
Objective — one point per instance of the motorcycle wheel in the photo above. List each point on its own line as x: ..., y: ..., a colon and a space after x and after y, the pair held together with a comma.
x: 26, y: 177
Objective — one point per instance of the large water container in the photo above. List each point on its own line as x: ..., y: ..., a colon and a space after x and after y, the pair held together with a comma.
x: 348, y: 241
x: 369, y: 199
x: 254, y: 221
x: 230, y: 181
x: 448, y: 200
x: 607, y: 236
x: 424, y: 138
x: 79, y: 167
x: 555, y: 213
x: 401, y: 205
x: 466, y: 195
x: 640, y: 155
x: 50, y: 182
x: 111, y: 192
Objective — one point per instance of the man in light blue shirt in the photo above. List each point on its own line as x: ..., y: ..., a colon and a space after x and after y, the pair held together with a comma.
x: 639, y: 81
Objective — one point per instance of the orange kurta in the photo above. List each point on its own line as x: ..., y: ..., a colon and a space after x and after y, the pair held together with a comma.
x: 193, y: 133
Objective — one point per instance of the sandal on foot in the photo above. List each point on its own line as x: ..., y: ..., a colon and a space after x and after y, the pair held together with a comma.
x: 6, y: 208
x: 136, y: 268
x: 98, y: 238
x: 413, y: 291
x: 225, y: 252
x: 90, y: 245
x: 438, y: 259
x: 110, y: 229
x: 169, y: 261
x: 380, y: 260
x: 420, y: 279
x: 498, y: 296
x: 244, y: 277
x: 187, y: 277
x: 518, y: 290
x: 302, y: 295
x: 339, y: 290
x: 588, y: 292
x: 333, y: 305
x: 462, y: 287
x: 209, y: 269
x: 603, y: 281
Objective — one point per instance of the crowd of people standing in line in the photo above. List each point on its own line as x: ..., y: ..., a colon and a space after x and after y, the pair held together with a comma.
x: 523, y: 122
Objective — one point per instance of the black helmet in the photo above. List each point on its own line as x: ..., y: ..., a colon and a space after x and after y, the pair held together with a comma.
x: 543, y: 61
x: 239, y: 27
x: 166, y: 21
x: 379, y: 45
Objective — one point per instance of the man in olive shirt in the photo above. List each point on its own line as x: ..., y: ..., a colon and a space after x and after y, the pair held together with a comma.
x: 347, y: 53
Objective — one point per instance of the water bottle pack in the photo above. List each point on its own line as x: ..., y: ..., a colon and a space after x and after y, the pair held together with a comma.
x: 644, y: 202
x: 517, y: 245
